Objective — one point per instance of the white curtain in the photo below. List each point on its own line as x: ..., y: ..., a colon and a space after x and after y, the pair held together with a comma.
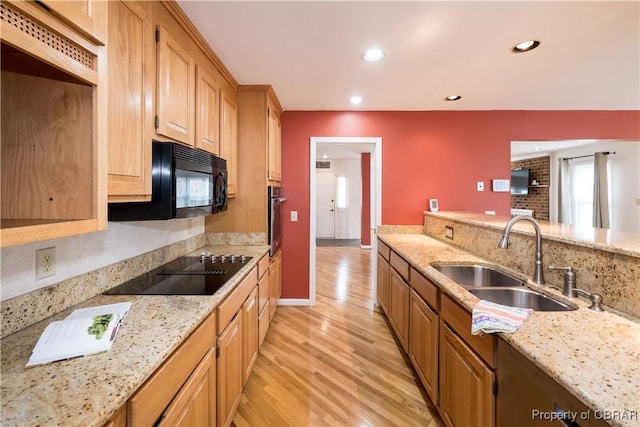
x: 564, y: 202
x: 600, y: 192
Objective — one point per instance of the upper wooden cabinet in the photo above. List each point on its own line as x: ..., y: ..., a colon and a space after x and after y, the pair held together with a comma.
x: 207, y: 111
x: 176, y: 89
x: 229, y: 139
x: 82, y: 15
x: 53, y: 154
x: 274, y: 172
x: 131, y: 84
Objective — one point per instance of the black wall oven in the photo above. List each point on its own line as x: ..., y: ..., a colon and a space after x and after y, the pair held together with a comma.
x: 185, y: 183
x: 275, y: 200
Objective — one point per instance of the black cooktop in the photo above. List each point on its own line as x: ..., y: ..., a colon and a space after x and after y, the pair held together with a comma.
x: 202, y: 275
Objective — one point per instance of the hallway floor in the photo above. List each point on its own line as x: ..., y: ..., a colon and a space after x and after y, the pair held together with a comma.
x: 335, y: 364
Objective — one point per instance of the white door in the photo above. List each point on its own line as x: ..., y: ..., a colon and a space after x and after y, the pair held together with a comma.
x: 341, y: 207
x: 325, y: 190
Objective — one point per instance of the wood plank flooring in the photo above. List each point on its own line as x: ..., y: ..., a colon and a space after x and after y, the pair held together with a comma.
x: 335, y: 364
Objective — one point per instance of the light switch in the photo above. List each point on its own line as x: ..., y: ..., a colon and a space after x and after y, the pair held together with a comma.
x: 480, y: 185
x: 294, y: 216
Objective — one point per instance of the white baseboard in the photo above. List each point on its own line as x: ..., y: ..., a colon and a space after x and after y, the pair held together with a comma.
x: 365, y: 246
x: 293, y: 301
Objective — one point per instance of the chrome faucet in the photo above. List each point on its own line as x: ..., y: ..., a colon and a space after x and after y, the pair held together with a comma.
x: 538, y: 273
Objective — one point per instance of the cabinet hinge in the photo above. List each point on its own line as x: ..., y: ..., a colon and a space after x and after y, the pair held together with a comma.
x: 495, y: 388
x: 157, y: 35
x: 157, y: 122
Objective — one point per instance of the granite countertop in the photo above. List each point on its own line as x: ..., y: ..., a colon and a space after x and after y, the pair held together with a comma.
x: 594, y: 355
x: 88, y: 390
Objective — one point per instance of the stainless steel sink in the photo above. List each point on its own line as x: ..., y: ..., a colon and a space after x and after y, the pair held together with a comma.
x: 520, y: 297
x: 477, y: 276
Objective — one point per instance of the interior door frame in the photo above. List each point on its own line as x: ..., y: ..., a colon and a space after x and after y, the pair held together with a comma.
x: 376, y: 194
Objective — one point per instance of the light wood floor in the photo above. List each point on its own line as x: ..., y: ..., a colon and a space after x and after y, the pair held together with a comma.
x: 335, y: 364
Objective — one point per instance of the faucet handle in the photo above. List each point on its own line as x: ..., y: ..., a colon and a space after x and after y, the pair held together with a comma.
x: 569, y: 286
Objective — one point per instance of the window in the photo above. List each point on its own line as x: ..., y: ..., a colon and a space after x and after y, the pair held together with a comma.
x: 581, y: 190
x: 341, y: 192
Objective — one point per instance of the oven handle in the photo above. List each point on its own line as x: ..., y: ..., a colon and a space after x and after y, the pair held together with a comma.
x: 277, y: 200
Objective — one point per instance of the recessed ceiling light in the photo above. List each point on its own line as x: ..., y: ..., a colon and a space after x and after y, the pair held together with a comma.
x: 525, y: 46
x: 373, y: 54
x: 452, y: 98
x: 355, y: 100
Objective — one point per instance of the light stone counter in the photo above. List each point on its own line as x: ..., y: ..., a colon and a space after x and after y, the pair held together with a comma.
x: 87, y: 391
x: 596, y: 356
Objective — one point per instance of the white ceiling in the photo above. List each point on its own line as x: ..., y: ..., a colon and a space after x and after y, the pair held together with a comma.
x: 310, y: 51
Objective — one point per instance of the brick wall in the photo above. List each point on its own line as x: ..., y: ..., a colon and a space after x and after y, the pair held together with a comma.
x: 538, y: 197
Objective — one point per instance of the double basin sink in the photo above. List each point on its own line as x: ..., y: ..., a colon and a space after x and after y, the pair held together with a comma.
x: 490, y: 284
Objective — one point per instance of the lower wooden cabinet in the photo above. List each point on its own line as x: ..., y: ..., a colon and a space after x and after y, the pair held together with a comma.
x: 229, y: 370
x: 195, y: 405
x: 466, y: 384
x: 249, y: 334
x: 175, y: 382
x: 423, y: 344
x: 275, y: 283
x: 399, y: 308
x: 382, y: 283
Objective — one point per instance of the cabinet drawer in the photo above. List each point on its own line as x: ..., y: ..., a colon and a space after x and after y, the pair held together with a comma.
x: 401, y: 266
x: 425, y: 288
x: 383, y: 250
x: 150, y: 401
x: 460, y: 321
x: 232, y: 303
x: 263, y: 265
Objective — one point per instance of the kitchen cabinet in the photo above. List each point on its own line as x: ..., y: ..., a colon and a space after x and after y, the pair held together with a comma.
x: 399, y: 299
x: 130, y: 116
x: 467, y: 378
x: 194, y: 404
x: 248, y: 212
x: 263, y: 299
x: 82, y: 15
x: 275, y: 283
x: 382, y: 276
x: 207, y: 112
x: 274, y: 172
x: 175, y: 116
x: 517, y: 377
x: 181, y: 388
x: 229, y: 140
x: 119, y: 419
x: 230, y: 370
x: 237, y: 344
x: 423, y: 343
x: 249, y: 334
x: 53, y: 155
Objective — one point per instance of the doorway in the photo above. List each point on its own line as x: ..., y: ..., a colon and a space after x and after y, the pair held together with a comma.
x: 371, y: 145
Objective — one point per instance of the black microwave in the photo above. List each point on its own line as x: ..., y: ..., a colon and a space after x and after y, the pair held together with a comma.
x: 185, y: 182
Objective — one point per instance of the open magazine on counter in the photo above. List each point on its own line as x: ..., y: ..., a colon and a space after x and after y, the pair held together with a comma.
x: 85, y: 331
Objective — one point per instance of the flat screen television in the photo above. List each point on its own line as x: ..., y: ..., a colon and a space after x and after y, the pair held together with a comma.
x: 520, y: 182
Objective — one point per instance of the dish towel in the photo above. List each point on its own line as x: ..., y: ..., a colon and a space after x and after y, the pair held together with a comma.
x: 489, y: 317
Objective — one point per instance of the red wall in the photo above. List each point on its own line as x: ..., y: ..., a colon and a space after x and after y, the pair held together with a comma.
x: 365, y: 216
x: 426, y: 154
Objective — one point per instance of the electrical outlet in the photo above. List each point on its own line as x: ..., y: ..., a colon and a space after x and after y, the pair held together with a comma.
x: 448, y: 232
x: 294, y: 216
x: 480, y: 185
x: 45, y: 262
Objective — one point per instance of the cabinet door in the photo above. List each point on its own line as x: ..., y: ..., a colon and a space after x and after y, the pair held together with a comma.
x: 399, y: 308
x: 275, y: 283
x: 195, y: 404
x: 466, y: 384
x: 207, y: 112
x: 273, y: 149
x: 83, y: 15
x: 131, y: 69
x: 382, y: 284
x: 423, y: 344
x: 176, y: 90
x: 229, y: 370
x: 249, y: 334
x: 229, y: 140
